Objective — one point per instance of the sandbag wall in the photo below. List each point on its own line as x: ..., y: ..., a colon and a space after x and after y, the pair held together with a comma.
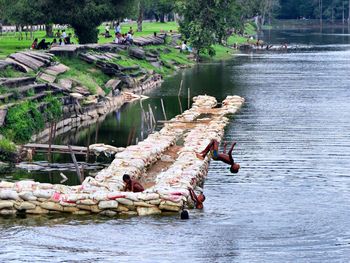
x: 103, y: 194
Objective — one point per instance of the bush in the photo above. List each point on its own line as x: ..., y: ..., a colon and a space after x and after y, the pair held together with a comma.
x: 54, y: 109
x: 22, y: 121
x: 7, y: 146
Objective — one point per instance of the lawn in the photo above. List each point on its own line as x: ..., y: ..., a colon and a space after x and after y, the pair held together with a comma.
x: 9, y: 42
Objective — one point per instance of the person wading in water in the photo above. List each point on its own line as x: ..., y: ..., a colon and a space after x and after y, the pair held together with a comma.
x: 213, y: 148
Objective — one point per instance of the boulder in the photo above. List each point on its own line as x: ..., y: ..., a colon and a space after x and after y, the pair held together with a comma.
x: 137, y: 53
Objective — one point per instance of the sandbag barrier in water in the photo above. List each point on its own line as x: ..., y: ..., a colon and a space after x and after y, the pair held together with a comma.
x: 103, y: 194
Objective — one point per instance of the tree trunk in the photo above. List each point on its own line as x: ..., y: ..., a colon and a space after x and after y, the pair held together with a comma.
x: 88, y: 34
x: 49, y: 30
x: 140, y: 18
x: 161, y: 18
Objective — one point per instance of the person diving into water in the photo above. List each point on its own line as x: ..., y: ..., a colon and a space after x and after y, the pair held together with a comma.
x: 213, y: 148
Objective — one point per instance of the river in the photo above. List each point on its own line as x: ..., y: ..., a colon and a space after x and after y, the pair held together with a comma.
x: 289, y: 203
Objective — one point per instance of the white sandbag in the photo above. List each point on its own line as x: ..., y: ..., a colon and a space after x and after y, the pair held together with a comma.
x: 142, y: 203
x: 121, y: 208
x: 6, y: 204
x: 145, y: 211
x: 6, y: 194
x: 108, y: 204
x: 125, y: 201
x: 45, y: 186
x: 169, y: 207
x: 24, y: 205
x: 148, y: 196
x: 25, y: 185
x: 27, y: 196
x: 92, y: 208
x: 8, y: 211
x: 46, y: 194
x: 87, y: 202
x: 99, y: 196
x: 51, y: 206
x: 4, y: 184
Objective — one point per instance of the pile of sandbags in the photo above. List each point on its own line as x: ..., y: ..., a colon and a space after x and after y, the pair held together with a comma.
x: 104, y: 193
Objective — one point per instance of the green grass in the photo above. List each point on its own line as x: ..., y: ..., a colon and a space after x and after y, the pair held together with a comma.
x: 11, y: 73
x: 86, y: 74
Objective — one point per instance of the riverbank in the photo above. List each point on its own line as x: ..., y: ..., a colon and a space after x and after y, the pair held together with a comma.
x: 77, y: 85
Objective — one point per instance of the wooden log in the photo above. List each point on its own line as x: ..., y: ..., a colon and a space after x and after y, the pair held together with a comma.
x: 28, y: 61
x: 75, y: 164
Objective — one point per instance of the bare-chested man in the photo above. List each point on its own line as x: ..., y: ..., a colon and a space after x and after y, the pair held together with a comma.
x: 213, y: 148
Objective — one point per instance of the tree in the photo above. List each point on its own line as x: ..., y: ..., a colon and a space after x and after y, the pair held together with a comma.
x: 84, y: 15
x: 206, y: 22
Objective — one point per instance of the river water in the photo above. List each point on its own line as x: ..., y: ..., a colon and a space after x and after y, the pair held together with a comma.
x: 289, y: 203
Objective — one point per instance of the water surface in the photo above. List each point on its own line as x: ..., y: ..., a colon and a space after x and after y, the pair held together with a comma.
x: 289, y: 203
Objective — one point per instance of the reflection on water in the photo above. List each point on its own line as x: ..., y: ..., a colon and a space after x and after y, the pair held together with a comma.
x: 289, y: 203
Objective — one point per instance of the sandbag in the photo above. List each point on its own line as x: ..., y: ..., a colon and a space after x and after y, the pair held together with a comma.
x: 27, y: 196
x: 4, y: 184
x: 145, y: 211
x: 125, y: 201
x: 8, y: 211
x: 51, y: 206
x: 37, y: 211
x: 108, y: 204
x: 24, y: 205
x: 46, y: 194
x: 70, y: 209
x: 141, y: 203
x: 6, y: 204
x: 169, y: 207
x: 6, y: 194
x: 87, y: 202
x: 92, y: 208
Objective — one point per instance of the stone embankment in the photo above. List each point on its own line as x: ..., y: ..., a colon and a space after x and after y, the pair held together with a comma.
x: 104, y: 194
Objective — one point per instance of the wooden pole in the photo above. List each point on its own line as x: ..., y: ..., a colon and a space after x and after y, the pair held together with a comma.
x: 181, y: 86
x: 75, y: 164
x: 161, y: 101
x: 152, y: 115
x: 189, y: 98
x: 50, y: 143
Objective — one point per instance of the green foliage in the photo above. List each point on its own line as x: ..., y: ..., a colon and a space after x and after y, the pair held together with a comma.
x: 7, y: 145
x: 54, y: 108
x: 10, y: 73
x: 22, y: 121
x: 207, y: 22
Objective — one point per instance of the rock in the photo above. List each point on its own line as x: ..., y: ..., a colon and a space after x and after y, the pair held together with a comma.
x: 66, y: 83
x: 3, y: 113
x: 137, y: 53
x: 76, y: 95
x: 47, y: 77
x: 151, y: 59
x: 82, y: 90
x: 156, y: 64
x: 56, y: 69
x: 113, y: 83
x: 145, y: 211
x: 108, y: 213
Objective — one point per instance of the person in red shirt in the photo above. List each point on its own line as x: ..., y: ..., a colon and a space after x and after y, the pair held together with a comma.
x: 213, y: 148
x: 132, y: 185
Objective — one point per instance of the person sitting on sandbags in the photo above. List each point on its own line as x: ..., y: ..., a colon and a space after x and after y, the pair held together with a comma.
x: 213, y: 148
x: 132, y: 185
x: 198, y: 200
